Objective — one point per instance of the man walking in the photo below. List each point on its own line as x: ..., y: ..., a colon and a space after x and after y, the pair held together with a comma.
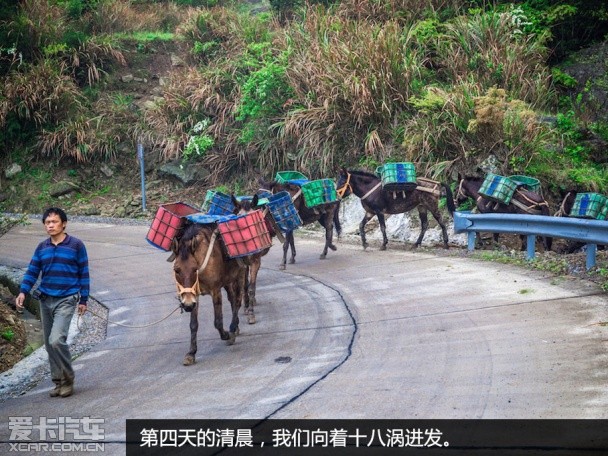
x: 62, y: 262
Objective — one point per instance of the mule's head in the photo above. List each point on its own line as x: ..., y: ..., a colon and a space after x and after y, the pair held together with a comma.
x: 343, y: 185
x: 185, y: 270
x: 245, y: 205
x: 468, y: 187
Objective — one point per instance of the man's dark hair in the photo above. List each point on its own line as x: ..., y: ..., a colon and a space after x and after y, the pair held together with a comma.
x: 55, y: 210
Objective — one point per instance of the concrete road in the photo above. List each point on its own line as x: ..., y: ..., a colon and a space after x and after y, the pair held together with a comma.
x: 363, y: 334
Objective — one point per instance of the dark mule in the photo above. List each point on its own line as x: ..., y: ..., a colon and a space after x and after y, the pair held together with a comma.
x: 202, y: 268
x: 567, y: 203
x: 378, y: 202
x: 564, y: 211
x: 326, y: 215
x: 523, y: 202
x: 253, y: 262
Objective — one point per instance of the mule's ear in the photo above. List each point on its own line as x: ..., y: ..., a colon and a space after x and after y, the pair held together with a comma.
x: 194, y: 244
x: 235, y: 202
x: 254, y: 200
x: 174, y: 247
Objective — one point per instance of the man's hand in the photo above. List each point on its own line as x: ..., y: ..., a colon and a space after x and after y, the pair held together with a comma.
x: 82, y: 308
x: 19, y: 300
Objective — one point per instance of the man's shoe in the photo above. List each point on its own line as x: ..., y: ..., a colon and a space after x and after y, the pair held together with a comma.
x: 56, y: 391
x: 67, y: 387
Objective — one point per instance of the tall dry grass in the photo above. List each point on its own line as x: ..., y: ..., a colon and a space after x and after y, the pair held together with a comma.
x: 188, y: 96
x: 116, y: 16
x: 489, y: 50
x: 403, y: 11
x: 351, y: 80
x: 42, y: 94
x: 37, y: 25
x: 454, y: 127
x: 91, y: 134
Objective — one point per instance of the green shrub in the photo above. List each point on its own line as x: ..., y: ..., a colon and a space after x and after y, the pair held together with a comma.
x: 7, y: 334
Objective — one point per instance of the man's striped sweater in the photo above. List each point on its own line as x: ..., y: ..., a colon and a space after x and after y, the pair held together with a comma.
x: 64, y: 267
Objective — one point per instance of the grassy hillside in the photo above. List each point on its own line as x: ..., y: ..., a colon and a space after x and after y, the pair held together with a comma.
x: 241, y: 89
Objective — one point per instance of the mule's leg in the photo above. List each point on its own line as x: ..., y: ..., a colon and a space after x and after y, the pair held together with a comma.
x: 246, y: 298
x: 288, y: 237
x: 366, y: 218
x: 444, y: 231
x: 190, y: 356
x: 524, y: 242
x: 235, y: 295
x: 252, y: 278
x: 292, y: 244
x: 216, y: 297
x: 382, y: 222
x: 331, y: 223
x: 424, y: 224
x: 328, y: 223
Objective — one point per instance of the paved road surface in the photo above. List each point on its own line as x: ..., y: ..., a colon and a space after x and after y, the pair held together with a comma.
x: 370, y: 334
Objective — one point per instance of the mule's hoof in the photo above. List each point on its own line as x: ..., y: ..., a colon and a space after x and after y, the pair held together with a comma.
x: 189, y: 360
x: 232, y: 339
x: 282, y: 267
x: 333, y: 247
x: 383, y: 247
x: 365, y: 246
x: 251, y: 319
x: 292, y: 261
x: 224, y: 336
x: 322, y: 256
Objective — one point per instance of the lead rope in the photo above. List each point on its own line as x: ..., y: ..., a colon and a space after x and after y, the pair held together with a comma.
x: 82, y: 328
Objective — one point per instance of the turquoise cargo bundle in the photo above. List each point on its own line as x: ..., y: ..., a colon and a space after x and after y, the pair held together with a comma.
x: 284, y: 212
x: 498, y: 188
x: 319, y: 192
x: 529, y: 183
x: 589, y: 205
x: 397, y: 177
x: 218, y: 203
x: 292, y: 177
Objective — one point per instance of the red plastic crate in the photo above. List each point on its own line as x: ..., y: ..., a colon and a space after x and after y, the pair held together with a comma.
x: 168, y: 220
x: 245, y: 235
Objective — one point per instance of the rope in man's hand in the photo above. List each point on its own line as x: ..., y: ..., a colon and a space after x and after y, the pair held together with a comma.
x: 84, y: 326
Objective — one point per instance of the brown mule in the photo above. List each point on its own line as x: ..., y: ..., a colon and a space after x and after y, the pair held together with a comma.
x: 200, y: 268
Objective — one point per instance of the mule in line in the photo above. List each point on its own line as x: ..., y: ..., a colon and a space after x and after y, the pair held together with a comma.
x: 326, y: 215
x: 253, y: 262
x: 200, y: 268
x: 379, y: 202
x: 523, y: 202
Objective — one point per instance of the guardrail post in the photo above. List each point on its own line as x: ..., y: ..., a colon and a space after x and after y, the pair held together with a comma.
x: 140, y: 156
x: 591, y: 251
x: 531, y: 244
x: 471, y: 237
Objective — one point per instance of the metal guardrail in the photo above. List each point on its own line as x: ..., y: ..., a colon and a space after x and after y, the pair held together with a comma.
x: 590, y: 232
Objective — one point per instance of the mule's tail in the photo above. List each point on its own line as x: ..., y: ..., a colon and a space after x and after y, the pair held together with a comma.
x: 337, y: 225
x: 449, y: 199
